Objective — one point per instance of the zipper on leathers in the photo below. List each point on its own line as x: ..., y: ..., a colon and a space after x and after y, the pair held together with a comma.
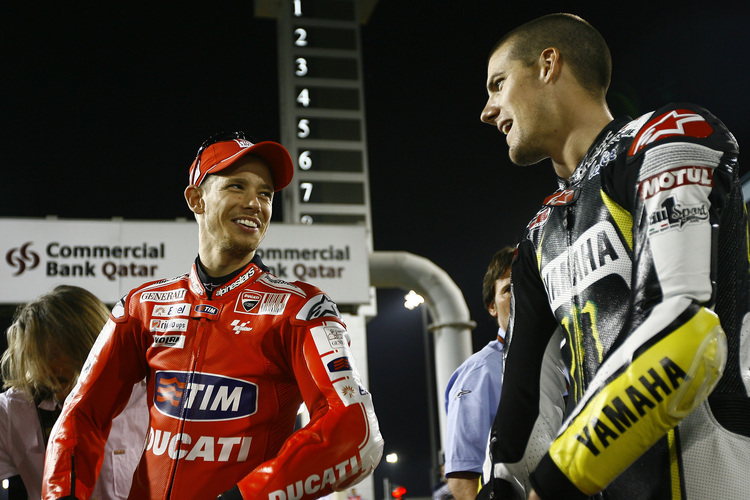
x: 197, y: 350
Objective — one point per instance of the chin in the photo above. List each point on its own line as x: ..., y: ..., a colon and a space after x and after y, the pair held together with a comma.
x: 240, y: 249
x: 525, y: 158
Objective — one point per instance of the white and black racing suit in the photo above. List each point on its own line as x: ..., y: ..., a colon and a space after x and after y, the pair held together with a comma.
x: 642, y: 257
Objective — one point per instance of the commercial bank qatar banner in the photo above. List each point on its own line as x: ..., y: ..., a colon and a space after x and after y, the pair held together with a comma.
x: 110, y: 258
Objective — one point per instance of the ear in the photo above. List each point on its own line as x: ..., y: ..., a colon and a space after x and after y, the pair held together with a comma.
x: 194, y: 198
x: 492, y: 309
x: 550, y: 64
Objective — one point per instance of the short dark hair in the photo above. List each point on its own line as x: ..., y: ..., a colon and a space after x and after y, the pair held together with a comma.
x: 580, y: 45
x: 500, y: 263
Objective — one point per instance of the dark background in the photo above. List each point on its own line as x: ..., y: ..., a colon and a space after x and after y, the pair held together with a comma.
x: 103, y: 108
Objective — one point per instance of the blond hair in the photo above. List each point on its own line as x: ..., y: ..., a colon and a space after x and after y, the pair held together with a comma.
x: 58, y: 328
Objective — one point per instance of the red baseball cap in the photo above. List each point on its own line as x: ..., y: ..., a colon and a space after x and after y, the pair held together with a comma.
x: 216, y: 154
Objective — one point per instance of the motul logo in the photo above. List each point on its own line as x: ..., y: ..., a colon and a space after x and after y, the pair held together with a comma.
x: 674, y: 178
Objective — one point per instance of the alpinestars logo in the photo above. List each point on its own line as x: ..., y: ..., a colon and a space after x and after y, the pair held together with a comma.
x: 562, y: 198
x: 462, y: 392
x: 22, y: 258
x: 242, y: 279
x: 674, y: 214
x: 318, y: 307
x: 679, y: 122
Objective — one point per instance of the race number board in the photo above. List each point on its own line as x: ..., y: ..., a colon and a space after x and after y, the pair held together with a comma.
x: 322, y: 112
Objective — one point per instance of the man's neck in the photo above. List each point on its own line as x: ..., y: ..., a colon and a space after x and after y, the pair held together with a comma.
x: 220, y: 264
x: 584, y: 127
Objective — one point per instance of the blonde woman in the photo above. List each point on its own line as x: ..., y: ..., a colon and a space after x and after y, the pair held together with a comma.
x: 48, y: 343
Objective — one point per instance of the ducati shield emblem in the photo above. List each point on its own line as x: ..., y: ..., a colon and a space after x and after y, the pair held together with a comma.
x: 248, y: 301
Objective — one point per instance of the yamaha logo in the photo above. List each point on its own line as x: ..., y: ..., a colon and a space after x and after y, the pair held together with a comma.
x: 22, y: 258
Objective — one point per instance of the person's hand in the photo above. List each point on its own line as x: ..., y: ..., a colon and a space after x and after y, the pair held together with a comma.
x: 534, y: 496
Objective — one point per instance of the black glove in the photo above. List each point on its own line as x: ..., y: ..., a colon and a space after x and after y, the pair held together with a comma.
x: 233, y: 494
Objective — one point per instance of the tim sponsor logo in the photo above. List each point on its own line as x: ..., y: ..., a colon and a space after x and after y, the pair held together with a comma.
x: 206, y: 309
x: 198, y: 396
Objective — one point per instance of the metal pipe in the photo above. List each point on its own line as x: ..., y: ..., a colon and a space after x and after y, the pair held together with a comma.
x: 451, y: 325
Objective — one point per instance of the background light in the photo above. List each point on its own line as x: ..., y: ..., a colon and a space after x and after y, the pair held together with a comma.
x: 391, y: 458
x: 398, y: 491
x: 412, y: 300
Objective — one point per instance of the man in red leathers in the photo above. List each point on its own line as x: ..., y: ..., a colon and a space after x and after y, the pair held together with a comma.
x: 230, y: 352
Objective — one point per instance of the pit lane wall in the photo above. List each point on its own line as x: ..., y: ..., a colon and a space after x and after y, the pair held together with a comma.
x: 110, y: 258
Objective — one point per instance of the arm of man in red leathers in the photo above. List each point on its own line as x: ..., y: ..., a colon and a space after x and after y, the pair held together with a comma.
x: 341, y: 444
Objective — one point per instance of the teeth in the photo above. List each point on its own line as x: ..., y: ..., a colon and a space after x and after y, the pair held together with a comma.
x: 506, y: 128
x: 247, y: 223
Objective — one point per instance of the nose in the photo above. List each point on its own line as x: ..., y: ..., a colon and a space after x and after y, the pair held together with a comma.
x: 253, y: 200
x: 490, y: 112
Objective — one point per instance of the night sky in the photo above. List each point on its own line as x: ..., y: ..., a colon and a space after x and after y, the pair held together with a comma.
x: 105, y: 106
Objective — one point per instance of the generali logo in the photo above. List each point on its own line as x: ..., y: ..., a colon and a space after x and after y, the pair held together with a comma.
x: 21, y: 258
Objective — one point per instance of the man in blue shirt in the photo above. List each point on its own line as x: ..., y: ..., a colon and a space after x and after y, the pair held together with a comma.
x: 473, y: 391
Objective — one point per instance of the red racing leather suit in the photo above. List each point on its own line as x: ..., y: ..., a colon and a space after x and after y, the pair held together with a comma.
x: 638, y: 256
x: 226, y: 377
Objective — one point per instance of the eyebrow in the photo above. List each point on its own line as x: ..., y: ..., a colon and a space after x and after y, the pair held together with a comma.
x: 244, y: 182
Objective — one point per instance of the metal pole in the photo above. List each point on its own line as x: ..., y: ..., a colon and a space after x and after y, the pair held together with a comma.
x: 386, y: 489
x: 431, y: 408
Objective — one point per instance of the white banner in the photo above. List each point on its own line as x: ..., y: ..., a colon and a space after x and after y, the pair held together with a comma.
x: 109, y: 258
